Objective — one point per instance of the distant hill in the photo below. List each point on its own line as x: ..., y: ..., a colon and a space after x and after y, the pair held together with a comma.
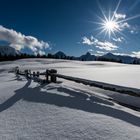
x: 9, y: 51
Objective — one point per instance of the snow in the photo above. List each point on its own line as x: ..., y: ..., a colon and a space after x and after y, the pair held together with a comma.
x: 114, y: 73
x: 8, y: 51
x: 67, y: 110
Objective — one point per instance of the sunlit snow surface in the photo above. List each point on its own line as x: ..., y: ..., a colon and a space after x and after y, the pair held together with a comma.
x: 68, y: 110
x: 115, y: 73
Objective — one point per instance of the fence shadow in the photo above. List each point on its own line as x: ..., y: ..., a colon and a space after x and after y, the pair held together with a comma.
x: 73, y: 100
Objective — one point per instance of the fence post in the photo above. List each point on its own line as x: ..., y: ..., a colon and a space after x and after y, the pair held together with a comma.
x: 17, y: 70
x: 53, y: 76
x: 47, y: 75
x: 26, y: 73
x: 33, y: 74
x: 38, y: 73
x: 29, y: 73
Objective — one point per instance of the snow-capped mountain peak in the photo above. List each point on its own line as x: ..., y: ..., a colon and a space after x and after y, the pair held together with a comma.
x: 7, y: 50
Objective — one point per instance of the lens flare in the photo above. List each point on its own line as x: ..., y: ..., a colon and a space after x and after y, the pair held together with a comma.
x: 111, y: 25
x: 114, y: 23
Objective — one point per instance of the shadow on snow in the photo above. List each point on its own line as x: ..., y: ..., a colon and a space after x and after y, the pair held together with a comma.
x: 74, y: 100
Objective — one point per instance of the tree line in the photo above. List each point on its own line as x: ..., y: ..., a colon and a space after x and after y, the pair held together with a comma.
x: 24, y: 55
x: 49, y: 55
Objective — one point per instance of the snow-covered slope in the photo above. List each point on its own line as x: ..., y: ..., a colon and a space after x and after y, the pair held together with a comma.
x: 7, y: 50
x: 108, y: 72
x: 67, y: 110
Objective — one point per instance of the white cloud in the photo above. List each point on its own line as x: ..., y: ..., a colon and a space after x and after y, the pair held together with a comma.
x: 41, y: 52
x: 135, y: 29
x: 119, y: 16
x: 121, y: 19
x: 87, y: 41
x: 108, y: 46
x: 124, y: 26
x: 100, y: 53
x: 132, y: 32
x: 90, y: 50
x: 133, y: 54
x: 136, y: 54
x: 119, y: 39
x: 122, y: 54
x: 19, y: 41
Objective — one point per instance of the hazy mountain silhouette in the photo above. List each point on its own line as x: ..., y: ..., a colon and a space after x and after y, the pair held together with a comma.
x: 9, y: 51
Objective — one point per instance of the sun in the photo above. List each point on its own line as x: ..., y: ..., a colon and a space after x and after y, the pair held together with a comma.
x: 113, y: 24
x: 110, y: 26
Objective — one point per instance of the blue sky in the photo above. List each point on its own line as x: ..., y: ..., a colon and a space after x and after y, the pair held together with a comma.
x: 71, y: 26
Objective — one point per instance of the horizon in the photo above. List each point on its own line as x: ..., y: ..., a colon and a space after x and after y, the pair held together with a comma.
x: 73, y: 27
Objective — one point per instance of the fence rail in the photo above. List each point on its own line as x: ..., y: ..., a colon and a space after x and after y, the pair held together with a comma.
x: 51, y: 75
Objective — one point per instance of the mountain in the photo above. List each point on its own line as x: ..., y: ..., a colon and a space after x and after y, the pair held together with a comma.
x: 123, y: 59
x: 60, y: 55
x: 7, y: 50
x: 87, y: 57
x: 107, y: 57
x: 110, y: 56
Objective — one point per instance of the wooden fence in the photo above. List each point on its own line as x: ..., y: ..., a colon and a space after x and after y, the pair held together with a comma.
x: 51, y: 75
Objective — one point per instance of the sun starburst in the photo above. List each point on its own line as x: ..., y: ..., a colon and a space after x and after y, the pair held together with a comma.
x: 110, y: 26
x: 114, y: 23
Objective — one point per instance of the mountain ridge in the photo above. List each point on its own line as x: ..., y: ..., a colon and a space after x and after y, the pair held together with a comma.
x: 106, y: 57
x: 9, y: 51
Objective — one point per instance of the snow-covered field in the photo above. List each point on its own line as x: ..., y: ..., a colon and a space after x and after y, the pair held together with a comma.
x: 68, y: 110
